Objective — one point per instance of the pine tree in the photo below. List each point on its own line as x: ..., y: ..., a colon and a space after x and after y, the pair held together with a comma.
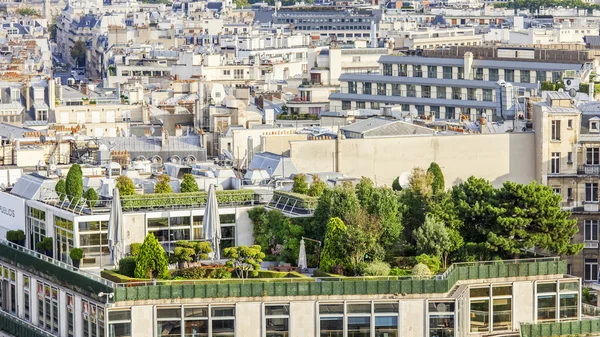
x: 152, y: 260
x: 316, y: 187
x: 91, y: 196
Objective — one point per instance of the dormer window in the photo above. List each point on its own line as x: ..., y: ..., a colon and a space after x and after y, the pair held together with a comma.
x: 594, y: 126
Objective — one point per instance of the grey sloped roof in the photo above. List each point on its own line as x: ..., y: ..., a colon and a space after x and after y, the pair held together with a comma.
x: 592, y: 40
x: 150, y: 146
x: 379, y: 127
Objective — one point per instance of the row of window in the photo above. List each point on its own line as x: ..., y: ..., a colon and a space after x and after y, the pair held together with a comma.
x: 448, y: 112
x: 423, y: 91
x: 449, y: 72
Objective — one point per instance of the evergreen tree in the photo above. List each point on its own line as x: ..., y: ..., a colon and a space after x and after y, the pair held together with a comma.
x: 125, y: 185
x: 432, y: 238
x: 333, y: 203
x: 189, y: 184
x: 162, y: 186
x: 361, y: 237
x: 396, y: 184
x: 152, y: 260
x: 333, y: 248
x: 364, y: 190
x: 244, y: 260
x: 438, y: 183
x: 91, y: 196
x: 61, y: 189
x: 300, y: 185
x: 74, y: 183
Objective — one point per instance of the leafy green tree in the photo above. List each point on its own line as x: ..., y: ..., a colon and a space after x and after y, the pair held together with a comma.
x: 78, y: 53
x: 532, y: 217
x: 244, y: 260
x: 415, y: 200
x: 333, y: 249
x: 61, y: 189
x: 377, y: 268
x: 241, y: 3
x: 28, y: 12
x: 316, y: 187
x: 91, y: 196
x: 278, y: 235
x: 152, y: 260
x: 189, y: 184
x: 333, y: 203
x: 300, y: 185
x: 162, y: 186
x: 438, y: 183
x: 125, y: 185
x: 432, y: 262
x: 396, y: 184
x: 364, y: 190
x: 361, y: 237
x: 74, y: 183
x: 383, y: 203
x: 432, y: 238
x: 134, y: 249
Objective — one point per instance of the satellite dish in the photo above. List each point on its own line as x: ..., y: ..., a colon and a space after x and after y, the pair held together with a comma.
x: 572, y: 92
x: 404, y: 180
x: 43, y: 139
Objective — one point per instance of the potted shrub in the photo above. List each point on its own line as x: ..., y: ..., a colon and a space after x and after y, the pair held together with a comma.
x: 19, y: 237
x: 76, y: 255
x: 10, y: 236
x: 45, y: 246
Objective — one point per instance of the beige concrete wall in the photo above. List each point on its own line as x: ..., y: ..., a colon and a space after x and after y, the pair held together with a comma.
x: 248, y: 319
x: 413, y: 317
x: 143, y: 316
x: 495, y: 157
x: 524, y: 302
x: 244, y: 227
x: 302, y: 318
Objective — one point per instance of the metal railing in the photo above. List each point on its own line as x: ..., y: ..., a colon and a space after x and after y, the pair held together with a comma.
x: 57, y: 263
x: 588, y: 169
x: 432, y: 93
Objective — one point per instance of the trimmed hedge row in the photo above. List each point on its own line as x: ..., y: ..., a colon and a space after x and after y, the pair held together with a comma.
x: 114, y: 276
x: 304, y: 201
x: 560, y: 328
x: 184, y: 199
x: 16, y: 327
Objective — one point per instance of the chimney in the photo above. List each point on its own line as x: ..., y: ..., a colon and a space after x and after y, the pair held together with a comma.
x: 373, y: 35
x: 250, y: 148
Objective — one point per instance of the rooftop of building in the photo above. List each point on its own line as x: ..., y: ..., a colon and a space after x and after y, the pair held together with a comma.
x: 381, y: 127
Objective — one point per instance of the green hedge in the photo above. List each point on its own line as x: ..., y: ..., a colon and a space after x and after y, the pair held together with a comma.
x: 271, y: 274
x: 583, y: 327
x: 114, y: 276
x: 345, y: 286
x: 320, y: 273
x: 66, y: 278
x: 304, y: 201
x: 154, y: 200
x: 17, y: 327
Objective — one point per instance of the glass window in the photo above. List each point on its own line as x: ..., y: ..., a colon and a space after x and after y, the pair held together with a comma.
x: 568, y: 306
x: 367, y: 89
x: 441, y: 92
x: 352, y: 87
x: 546, y: 287
x: 590, y: 270
x: 479, y: 292
x: 592, y: 156
x: 331, y: 327
x: 590, y: 230
x: 509, y: 75
x: 417, y: 70
x: 525, y: 76
x: 493, y: 75
x: 546, y: 305
x: 426, y: 91
x: 591, y: 192
x: 432, y: 71
x: 456, y: 93
x: 555, y: 163
x: 502, y: 309
x: 411, y: 90
x: 402, y: 69
x: 359, y: 308
x: 386, y: 326
x: 386, y: 308
x: 396, y: 90
x: 447, y: 73
x: 381, y: 91
x: 346, y: 105
x: 488, y: 95
x: 555, y: 132
x: 441, y: 319
x: 480, y: 320
x: 359, y: 326
x: 540, y: 76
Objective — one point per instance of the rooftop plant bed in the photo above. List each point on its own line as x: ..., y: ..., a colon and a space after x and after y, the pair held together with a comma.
x: 158, y: 200
x: 304, y: 201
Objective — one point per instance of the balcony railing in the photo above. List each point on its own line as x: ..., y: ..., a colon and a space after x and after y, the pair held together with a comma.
x: 588, y: 169
x: 591, y: 244
x: 419, y: 93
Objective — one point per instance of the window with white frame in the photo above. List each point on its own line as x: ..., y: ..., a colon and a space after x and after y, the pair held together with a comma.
x: 441, y: 318
x: 555, y: 130
x: 360, y: 318
x: 590, y: 230
x: 590, y: 272
x: 491, y: 308
x: 277, y: 317
x: 70, y: 316
x: 119, y: 323
x: 26, y: 297
x: 93, y: 319
x: 591, y: 192
x: 592, y: 156
x: 555, y: 163
x: 48, y: 307
x: 558, y: 300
